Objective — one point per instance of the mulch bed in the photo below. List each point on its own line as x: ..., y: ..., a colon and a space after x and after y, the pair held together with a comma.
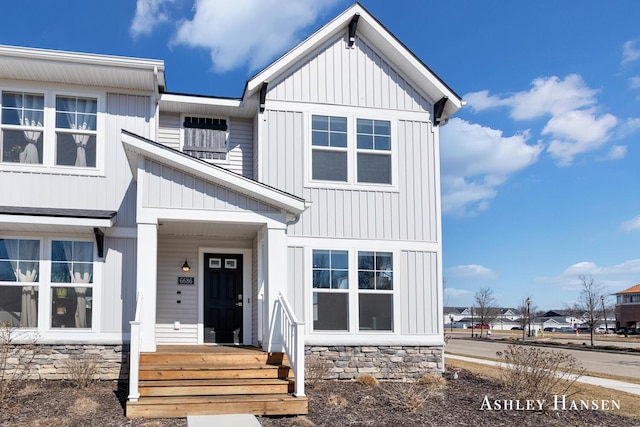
x: 457, y: 402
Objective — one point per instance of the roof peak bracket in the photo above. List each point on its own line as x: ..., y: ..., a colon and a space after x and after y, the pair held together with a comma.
x: 263, y: 95
x: 99, y: 241
x: 353, y: 26
x: 438, y: 109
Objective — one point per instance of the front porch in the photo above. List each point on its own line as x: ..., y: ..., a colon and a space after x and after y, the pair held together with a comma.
x: 177, y: 381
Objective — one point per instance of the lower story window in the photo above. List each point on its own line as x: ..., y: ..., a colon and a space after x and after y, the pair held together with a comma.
x: 67, y: 278
x: 331, y: 286
x: 375, y: 286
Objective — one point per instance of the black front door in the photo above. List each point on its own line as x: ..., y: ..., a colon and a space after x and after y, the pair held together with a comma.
x: 223, y: 298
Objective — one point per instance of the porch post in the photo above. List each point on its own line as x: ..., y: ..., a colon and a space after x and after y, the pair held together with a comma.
x: 146, y: 279
x: 275, y: 264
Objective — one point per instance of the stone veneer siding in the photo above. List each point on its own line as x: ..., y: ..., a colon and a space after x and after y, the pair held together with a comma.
x: 51, y: 361
x: 382, y: 362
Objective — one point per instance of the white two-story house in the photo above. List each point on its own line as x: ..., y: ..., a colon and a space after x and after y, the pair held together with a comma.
x: 302, y: 217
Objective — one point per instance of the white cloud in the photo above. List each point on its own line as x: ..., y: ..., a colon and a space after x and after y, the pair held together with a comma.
x: 634, y: 82
x: 476, y: 160
x: 149, y: 14
x: 455, y: 292
x: 247, y: 32
x: 471, y: 270
x: 632, y: 224
x: 574, y: 126
x: 613, y: 278
x: 616, y: 152
x: 577, y: 132
x: 629, y: 52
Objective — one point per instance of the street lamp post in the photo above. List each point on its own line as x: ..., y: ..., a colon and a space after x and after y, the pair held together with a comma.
x: 471, y: 322
x: 451, y: 322
x: 604, y: 314
x: 528, y: 301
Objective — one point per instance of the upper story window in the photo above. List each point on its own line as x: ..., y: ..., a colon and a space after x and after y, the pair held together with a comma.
x: 76, y: 131
x: 205, y: 138
x: 22, y: 127
x: 374, y: 151
x: 48, y: 130
x: 341, y: 155
x: 329, y: 141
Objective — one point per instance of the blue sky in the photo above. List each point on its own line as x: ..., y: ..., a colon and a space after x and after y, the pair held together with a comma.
x: 540, y: 170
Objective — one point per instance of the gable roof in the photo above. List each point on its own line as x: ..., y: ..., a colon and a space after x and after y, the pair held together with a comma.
x: 136, y: 146
x: 632, y: 290
x: 371, y: 29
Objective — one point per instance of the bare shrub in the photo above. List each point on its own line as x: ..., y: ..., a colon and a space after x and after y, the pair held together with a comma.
x: 436, y: 381
x: 409, y: 394
x: 367, y: 380
x: 84, y: 406
x: 535, y: 373
x: 83, y: 370
x: 15, y: 359
x: 338, y: 400
x: 316, y: 369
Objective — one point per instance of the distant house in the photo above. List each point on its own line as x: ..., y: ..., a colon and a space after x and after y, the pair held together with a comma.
x: 628, y: 307
x: 466, y: 316
x: 302, y: 217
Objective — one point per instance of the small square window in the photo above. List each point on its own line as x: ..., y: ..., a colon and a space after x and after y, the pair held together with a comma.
x: 215, y: 263
x: 231, y: 263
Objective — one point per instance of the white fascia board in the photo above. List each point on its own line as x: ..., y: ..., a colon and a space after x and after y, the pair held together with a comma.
x: 200, y: 100
x: 404, y: 59
x: 135, y: 146
x: 155, y: 66
x: 58, y: 221
x: 302, y: 49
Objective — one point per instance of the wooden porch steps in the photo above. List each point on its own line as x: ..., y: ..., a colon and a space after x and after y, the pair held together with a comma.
x: 197, y: 380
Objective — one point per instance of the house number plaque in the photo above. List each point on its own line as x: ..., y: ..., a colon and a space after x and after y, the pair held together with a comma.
x: 186, y: 280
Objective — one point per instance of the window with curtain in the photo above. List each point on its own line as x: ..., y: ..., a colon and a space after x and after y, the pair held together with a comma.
x: 19, y: 277
x: 330, y: 290
x: 76, y: 120
x: 71, y: 284
x: 21, y: 127
x: 205, y: 138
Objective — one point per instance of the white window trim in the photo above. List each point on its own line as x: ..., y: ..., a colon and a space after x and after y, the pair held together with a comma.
x: 45, y: 319
x: 208, y: 116
x: 352, y: 114
x: 49, y: 134
x: 353, y: 291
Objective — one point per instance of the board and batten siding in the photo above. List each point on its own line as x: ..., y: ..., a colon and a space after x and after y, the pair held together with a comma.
x: 418, y: 293
x: 118, y: 297
x: 172, y: 251
x: 296, y: 281
x: 168, y: 187
x: 406, y: 214
x: 358, y: 76
x: 113, y: 191
x: 240, y: 145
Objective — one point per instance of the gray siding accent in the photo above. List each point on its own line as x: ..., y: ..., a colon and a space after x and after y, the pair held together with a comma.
x: 296, y: 281
x: 336, y: 74
x: 418, y: 293
x: 113, y: 191
x: 169, y: 130
x: 168, y: 187
x: 118, y: 299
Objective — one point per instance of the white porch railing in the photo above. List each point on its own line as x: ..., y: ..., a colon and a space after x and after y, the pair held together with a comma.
x: 134, y: 352
x: 293, y: 335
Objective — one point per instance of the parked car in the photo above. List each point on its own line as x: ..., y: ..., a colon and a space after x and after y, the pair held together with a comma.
x: 567, y: 329
x: 479, y: 326
x: 550, y: 329
x: 517, y: 328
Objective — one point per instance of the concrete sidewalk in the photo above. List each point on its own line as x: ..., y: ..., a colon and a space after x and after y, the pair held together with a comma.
x: 601, y: 382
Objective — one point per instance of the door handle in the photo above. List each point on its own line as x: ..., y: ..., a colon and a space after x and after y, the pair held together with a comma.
x: 239, y: 304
